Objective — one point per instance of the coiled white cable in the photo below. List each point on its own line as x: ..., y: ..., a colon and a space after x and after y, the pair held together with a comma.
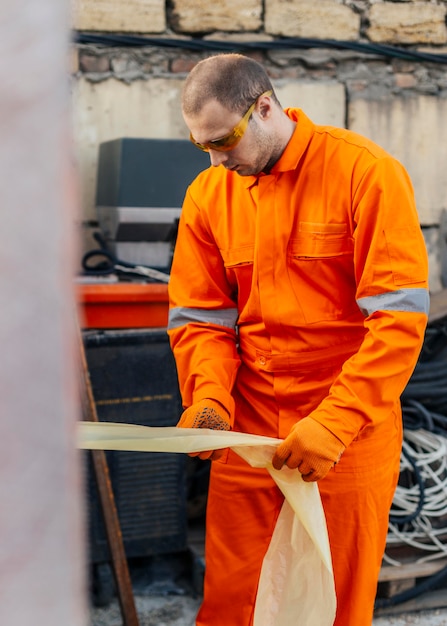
x: 427, y: 530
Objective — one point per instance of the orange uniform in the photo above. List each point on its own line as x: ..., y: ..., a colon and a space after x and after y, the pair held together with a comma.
x: 302, y: 292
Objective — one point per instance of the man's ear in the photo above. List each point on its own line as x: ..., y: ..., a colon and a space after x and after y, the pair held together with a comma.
x: 265, y: 107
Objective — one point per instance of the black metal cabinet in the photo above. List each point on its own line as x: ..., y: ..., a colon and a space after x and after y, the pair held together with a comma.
x: 134, y: 381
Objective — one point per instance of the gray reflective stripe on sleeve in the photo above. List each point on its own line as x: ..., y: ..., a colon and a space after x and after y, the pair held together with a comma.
x: 412, y: 300
x: 179, y: 316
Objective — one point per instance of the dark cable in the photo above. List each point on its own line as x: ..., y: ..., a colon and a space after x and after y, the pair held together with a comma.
x: 281, y: 44
x: 396, y: 519
x: 424, y: 406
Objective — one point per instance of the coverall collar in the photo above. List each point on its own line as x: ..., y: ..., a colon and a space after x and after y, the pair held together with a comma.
x: 294, y: 150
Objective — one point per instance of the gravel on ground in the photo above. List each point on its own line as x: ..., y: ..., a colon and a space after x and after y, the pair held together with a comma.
x: 180, y: 610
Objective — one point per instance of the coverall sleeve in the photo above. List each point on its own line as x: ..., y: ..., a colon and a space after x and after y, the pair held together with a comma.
x: 391, y: 268
x: 203, y: 314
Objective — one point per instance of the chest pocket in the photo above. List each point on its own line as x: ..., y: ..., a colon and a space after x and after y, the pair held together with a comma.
x: 320, y: 260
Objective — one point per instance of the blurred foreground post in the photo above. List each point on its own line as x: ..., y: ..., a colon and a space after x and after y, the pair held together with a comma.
x: 42, y: 544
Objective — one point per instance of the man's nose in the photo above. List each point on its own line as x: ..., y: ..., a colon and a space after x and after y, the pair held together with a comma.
x: 217, y: 157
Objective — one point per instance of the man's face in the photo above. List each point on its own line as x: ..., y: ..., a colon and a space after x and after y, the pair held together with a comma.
x: 250, y: 156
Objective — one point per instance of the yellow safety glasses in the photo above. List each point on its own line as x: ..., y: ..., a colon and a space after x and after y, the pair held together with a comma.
x: 231, y: 140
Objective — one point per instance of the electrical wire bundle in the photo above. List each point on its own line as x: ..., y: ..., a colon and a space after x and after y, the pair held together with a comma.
x: 419, y: 512
x: 418, y: 517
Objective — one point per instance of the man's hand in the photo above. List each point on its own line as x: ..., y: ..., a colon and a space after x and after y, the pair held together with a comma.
x: 311, y: 448
x: 206, y: 414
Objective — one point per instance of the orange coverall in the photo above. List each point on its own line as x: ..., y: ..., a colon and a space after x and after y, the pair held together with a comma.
x: 301, y: 293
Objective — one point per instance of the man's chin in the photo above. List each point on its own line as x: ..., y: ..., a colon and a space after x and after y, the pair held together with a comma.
x: 245, y: 171
x: 241, y: 170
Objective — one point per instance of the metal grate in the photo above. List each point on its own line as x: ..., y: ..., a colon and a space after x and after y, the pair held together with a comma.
x: 134, y: 381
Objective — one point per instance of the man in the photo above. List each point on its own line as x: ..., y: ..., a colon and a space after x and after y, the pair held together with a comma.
x: 298, y: 304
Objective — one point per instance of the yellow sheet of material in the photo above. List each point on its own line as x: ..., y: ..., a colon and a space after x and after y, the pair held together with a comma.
x: 296, y: 584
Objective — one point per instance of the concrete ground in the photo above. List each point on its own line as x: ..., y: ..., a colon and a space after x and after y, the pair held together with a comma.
x: 152, y: 611
x: 436, y: 617
x: 167, y: 592
x: 168, y: 610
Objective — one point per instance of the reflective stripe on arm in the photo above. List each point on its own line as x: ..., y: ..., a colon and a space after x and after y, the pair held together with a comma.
x: 179, y: 316
x: 411, y: 300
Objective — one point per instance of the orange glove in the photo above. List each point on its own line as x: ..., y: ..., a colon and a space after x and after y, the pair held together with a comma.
x: 309, y: 447
x: 206, y: 414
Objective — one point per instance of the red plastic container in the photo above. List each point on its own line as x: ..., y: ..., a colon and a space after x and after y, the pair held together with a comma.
x: 123, y: 305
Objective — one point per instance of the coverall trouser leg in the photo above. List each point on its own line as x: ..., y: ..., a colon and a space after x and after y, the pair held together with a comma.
x: 356, y: 501
x: 243, y: 506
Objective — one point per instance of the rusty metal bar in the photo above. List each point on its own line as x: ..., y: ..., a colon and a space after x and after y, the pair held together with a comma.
x: 108, y: 507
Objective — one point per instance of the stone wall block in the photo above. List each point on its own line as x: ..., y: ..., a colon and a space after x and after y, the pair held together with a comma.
x: 323, y: 102
x: 94, y: 63
x: 412, y: 130
x: 138, y: 16
x: 434, y: 245
x: 398, y: 23
x: 326, y: 19
x: 201, y: 16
